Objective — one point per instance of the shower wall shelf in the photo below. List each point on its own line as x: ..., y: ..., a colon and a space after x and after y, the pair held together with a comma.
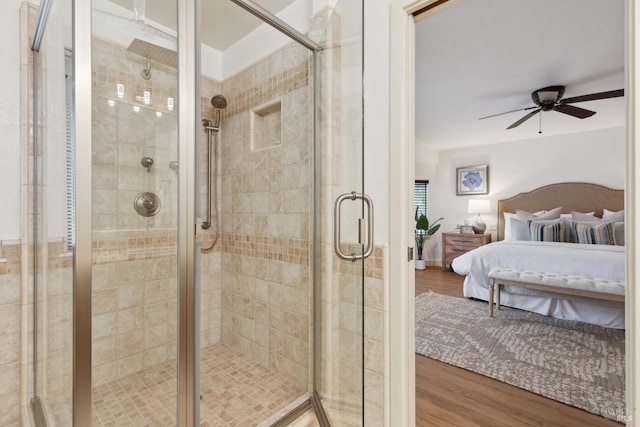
x: 266, y: 125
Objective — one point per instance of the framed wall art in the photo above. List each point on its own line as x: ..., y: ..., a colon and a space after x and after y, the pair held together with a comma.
x: 472, y: 180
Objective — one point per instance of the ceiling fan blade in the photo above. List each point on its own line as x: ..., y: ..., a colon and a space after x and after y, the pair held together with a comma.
x: 508, y: 112
x: 524, y: 119
x: 594, y: 96
x: 574, y: 111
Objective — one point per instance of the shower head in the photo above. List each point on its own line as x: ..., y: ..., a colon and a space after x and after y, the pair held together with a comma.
x: 219, y: 102
x: 154, y: 53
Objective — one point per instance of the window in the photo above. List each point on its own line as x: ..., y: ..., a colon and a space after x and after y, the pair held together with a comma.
x: 421, y: 196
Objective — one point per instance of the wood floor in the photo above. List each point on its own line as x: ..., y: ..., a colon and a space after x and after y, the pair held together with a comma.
x: 450, y: 396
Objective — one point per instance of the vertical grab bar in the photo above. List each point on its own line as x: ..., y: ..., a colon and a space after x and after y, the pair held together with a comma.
x: 207, y: 222
x: 336, y: 226
x: 212, y: 147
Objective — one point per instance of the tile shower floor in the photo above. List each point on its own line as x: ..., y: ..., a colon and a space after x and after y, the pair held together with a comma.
x: 235, y: 392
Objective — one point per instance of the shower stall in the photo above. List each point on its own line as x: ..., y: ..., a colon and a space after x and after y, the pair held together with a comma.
x: 199, y: 240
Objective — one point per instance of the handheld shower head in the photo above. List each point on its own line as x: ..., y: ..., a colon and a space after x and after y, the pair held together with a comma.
x: 219, y: 102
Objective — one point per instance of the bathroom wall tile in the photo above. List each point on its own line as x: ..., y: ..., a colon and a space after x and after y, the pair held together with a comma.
x: 102, y: 374
x: 276, y: 318
x: 9, y: 289
x: 210, y: 337
x: 374, y: 324
x: 374, y: 355
x: 130, y: 365
x: 291, y: 326
x: 276, y: 341
x: 156, y: 356
x: 59, y: 336
x: 130, y: 319
x: 103, y: 351
x: 10, y: 409
x: 130, y: 296
x: 131, y: 272
x: 291, y: 226
x: 104, y: 276
x: 9, y: 342
x: 155, y: 336
x: 104, y: 176
x: 9, y: 319
x: 103, y: 301
x: 10, y: 378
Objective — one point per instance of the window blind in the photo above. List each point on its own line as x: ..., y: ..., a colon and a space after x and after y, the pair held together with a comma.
x: 421, y: 196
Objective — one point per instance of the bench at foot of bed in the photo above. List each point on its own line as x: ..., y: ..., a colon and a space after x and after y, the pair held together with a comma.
x: 603, y: 289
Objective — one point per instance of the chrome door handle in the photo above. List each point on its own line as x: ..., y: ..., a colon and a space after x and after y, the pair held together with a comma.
x: 336, y: 226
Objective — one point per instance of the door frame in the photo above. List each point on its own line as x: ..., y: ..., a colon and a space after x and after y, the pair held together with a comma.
x: 401, y: 176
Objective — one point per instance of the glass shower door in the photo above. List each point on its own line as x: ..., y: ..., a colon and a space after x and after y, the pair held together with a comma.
x: 344, y: 219
x: 134, y: 220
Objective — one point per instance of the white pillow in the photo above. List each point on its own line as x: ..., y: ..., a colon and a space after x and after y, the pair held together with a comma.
x: 552, y: 214
x: 608, y: 215
x: 520, y: 229
x: 507, y: 225
x: 519, y: 215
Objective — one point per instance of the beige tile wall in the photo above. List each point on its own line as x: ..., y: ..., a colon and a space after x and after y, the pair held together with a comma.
x: 121, y: 137
x: 10, y: 333
x: 210, y: 263
x: 266, y: 217
x: 134, y: 257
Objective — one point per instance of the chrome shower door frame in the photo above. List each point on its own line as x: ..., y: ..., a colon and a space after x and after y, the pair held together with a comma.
x: 82, y: 259
x: 188, y: 122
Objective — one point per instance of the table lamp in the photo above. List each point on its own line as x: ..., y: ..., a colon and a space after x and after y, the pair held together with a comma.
x: 479, y: 206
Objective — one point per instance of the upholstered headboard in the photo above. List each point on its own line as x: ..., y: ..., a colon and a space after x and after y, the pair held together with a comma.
x: 571, y: 196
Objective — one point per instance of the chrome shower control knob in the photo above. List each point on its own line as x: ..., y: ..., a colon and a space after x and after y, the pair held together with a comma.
x: 147, y: 162
x: 146, y: 204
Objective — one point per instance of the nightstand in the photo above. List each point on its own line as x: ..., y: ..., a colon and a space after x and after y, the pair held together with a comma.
x: 454, y: 244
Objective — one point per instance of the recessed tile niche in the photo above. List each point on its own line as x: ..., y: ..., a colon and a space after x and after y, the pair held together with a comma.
x: 266, y: 125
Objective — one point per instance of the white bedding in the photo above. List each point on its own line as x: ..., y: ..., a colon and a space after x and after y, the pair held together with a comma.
x: 598, y: 261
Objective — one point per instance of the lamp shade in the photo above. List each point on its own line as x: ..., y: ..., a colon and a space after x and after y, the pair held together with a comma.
x: 479, y: 206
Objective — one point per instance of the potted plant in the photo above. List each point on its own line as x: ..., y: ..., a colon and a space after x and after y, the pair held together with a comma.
x: 424, y: 230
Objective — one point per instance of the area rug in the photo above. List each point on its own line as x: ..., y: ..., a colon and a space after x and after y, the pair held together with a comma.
x: 575, y: 363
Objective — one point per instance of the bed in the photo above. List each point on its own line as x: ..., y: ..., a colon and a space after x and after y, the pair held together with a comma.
x: 591, y: 260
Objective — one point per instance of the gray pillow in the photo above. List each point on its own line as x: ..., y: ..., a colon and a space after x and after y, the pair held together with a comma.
x: 619, y: 233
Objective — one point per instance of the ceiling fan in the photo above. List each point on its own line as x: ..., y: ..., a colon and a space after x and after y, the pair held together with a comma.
x: 550, y: 98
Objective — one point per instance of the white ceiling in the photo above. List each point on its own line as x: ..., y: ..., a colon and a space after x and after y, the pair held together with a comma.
x: 223, y: 23
x: 482, y: 57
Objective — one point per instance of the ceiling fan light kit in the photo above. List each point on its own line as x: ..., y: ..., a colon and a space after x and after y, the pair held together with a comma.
x: 550, y: 98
